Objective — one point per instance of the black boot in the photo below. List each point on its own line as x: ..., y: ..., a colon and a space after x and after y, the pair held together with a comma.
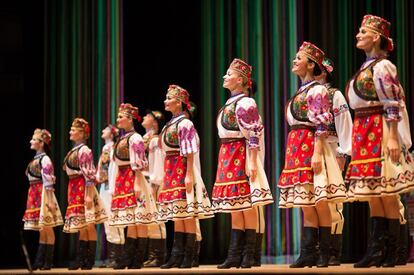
x: 308, y: 252
x: 258, y: 250
x: 105, y: 263
x: 234, y: 254
x: 190, y: 241
x: 336, y: 250
x: 127, y: 256
x: 324, y: 246
x: 156, y: 253
x: 177, y: 252
x: 402, y: 252
x: 48, y: 257
x: 40, y: 256
x: 89, y: 261
x: 196, y: 258
x: 111, y: 255
x: 249, y: 248
x: 141, y: 247
x: 376, y: 244
x: 118, y: 252
x: 392, y: 244
x: 81, y: 255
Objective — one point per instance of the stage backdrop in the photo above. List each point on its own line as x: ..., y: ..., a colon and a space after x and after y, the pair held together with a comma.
x: 267, y: 35
x: 83, y: 77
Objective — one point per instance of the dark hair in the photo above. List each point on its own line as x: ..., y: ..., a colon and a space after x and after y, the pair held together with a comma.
x: 316, y: 69
x: 329, y: 77
x: 184, y: 107
x: 383, y: 43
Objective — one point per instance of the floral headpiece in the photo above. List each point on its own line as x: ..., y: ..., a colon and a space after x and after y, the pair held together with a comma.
x: 179, y: 93
x: 42, y: 135
x: 130, y: 111
x: 380, y: 26
x: 82, y: 124
x: 243, y: 68
x: 312, y: 52
x: 328, y: 65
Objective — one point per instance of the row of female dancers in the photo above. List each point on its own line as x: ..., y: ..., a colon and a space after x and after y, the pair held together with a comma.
x: 146, y: 181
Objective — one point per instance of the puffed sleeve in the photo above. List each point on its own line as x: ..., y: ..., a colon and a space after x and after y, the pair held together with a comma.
x: 156, y: 170
x: 48, y: 174
x: 389, y: 89
x: 87, y: 166
x: 249, y: 121
x: 187, y: 137
x: 343, y: 123
x: 137, y: 156
x: 318, y: 108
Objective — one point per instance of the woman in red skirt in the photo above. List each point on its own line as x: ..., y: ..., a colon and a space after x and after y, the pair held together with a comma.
x: 133, y: 204
x: 183, y: 197
x: 381, y: 166
x: 42, y: 211
x: 241, y: 182
x: 85, y: 208
x: 311, y: 177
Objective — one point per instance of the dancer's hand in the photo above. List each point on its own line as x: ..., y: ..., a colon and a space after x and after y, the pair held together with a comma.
x: 316, y: 163
x: 252, y: 171
x: 393, y: 149
x: 189, y: 181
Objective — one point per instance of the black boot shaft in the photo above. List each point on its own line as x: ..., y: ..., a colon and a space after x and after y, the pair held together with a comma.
x: 89, y: 259
x: 81, y: 255
x: 335, y: 250
x: 188, y: 250
x: 128, y: 254
x: 196, y: 258
x: 392, y: 243
x: 157, y: 249
x: 324, y: 246
x: 249, y: 248
x: 402, y: 251
x: 49, y: 251
x: 308, y: 248
x: 376, y: 244
x: 234, y: 254
x: 177, y: 252
x: 40, y: 256
x: 258, y: 250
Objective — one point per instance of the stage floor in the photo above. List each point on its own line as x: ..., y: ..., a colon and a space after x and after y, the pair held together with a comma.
x: 210, y: 269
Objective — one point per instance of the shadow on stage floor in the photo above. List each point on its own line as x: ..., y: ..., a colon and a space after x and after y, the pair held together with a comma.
x: 210, y: 269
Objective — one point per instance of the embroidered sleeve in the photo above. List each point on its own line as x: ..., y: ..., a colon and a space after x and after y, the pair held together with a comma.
x: 87, y: 166
x: 187, y: 137
x: 318, y: 108
x: 137, y: 156
x: 156, y: 167
x: 389, y: 89
x: 249, y: 121
x: 48, y: 174
x: 343, y: 124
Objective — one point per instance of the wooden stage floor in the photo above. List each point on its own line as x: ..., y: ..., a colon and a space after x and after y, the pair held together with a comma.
x: 211, y: 269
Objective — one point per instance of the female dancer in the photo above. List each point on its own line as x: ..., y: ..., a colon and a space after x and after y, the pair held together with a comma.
x: 241, y: 182
x: 157, y: 245
x: 183, y: 197
x: 42, y: 211
x: 311, y: 177
x: 85, y: 208
x: 104, y: 176
x: 132, y: 202
x: 339, y: 138
x: 381, y: 166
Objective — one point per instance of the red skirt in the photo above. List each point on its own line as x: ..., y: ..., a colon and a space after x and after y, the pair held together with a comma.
x: 76, y: 199
x: 33, y: 204
x: 231, y: 190
x: 366, y: 148
x: 175, y: 168
x: 124, y: 196
x: 298, y: 158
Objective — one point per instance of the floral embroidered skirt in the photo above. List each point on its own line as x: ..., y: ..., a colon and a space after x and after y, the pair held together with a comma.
x: 78, y: 216
x: 371, y: 172
x: 38, y: 214
x: 174, y: 202
x: 298, y: 185
x: 232, y: 190
x: 126, y: 208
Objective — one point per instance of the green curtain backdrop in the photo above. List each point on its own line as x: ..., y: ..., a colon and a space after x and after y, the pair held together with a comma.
x: 267, y: 35
x: 83, y: 78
